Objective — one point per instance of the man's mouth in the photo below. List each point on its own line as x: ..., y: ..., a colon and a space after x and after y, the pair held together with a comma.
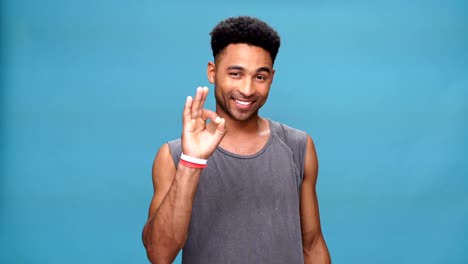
x: 243, y: 102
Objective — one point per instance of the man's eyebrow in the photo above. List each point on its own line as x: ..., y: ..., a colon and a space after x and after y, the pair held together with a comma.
x: 236, y: 67
x: 266, y: 69
x: 240, y: 68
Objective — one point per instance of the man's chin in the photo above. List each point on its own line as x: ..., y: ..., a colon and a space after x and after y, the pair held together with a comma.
x: 243, y: 117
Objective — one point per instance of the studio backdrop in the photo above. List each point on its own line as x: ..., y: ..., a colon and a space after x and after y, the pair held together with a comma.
x: 91, y: 89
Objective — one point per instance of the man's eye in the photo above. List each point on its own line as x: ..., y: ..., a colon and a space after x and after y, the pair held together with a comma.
x: 234, y: 74
x: 261, y: 77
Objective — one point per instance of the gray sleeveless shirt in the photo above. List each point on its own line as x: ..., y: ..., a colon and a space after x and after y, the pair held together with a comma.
x: 246, y: 208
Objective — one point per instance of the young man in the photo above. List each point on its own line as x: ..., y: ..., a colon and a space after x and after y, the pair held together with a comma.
x: 241, y: 188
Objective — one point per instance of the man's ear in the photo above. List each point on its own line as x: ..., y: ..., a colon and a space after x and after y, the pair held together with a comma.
x: 210, y: 72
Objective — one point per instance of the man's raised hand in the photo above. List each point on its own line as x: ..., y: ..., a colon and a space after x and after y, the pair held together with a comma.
x: 199, y: 138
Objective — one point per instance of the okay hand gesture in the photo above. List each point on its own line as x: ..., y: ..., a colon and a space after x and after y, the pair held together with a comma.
x: 200, y: 138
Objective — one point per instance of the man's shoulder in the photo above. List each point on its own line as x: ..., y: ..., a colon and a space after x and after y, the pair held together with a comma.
x: 293, y: 139
x: 284, y: 130
x: 175, y: 147
x: 175, y: 141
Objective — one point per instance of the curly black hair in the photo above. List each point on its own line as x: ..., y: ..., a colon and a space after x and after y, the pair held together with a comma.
x: 244, y: 29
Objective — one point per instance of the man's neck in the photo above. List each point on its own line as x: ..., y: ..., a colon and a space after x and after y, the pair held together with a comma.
x: 237, y: 128
x: 245, y: 137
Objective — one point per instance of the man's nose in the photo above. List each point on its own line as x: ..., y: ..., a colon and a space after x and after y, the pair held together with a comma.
x: 247, y: 88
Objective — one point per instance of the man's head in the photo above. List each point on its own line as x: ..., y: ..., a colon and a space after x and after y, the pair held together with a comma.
x: 247, y: 30
x: 244, y: 49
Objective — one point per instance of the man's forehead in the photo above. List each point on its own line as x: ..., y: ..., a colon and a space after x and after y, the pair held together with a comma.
x: 239, y: 54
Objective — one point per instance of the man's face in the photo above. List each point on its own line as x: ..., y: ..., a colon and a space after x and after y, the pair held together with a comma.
x: 242, y: 77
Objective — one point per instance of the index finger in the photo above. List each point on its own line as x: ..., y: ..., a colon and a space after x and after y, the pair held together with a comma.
x: 199, y: 102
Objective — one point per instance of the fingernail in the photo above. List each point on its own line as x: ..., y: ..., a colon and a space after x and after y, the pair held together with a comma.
x: 217, y: 119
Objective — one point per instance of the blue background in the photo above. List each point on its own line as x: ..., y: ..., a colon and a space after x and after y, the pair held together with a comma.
x: 91, y: 89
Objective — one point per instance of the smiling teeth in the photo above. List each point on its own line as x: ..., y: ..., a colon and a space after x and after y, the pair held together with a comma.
x: 243, y: 103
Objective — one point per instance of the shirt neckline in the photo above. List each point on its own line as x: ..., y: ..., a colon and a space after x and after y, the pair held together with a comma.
x: 258, y: 153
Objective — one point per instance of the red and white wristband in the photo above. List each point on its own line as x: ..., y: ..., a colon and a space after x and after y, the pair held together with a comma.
x: 192, y: 162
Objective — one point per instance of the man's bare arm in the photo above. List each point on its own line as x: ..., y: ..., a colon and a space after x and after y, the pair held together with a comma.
x: 166, y: 230
x: 314, y: 248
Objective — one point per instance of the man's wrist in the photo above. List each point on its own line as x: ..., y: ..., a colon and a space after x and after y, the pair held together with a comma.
x: 193, y: 162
